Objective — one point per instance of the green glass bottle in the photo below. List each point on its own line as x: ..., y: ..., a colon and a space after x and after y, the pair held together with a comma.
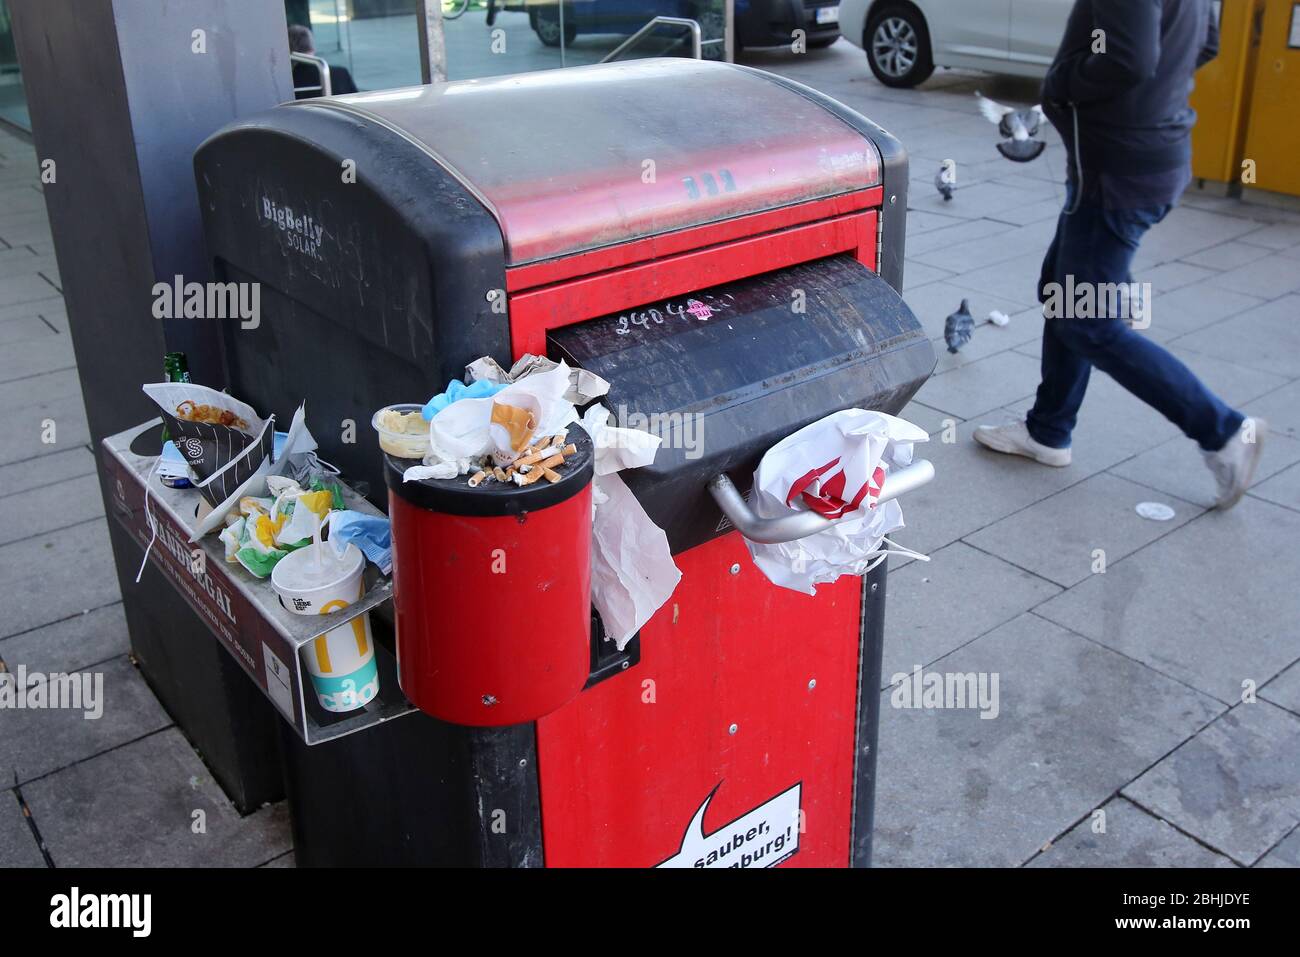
x: 176, y: 368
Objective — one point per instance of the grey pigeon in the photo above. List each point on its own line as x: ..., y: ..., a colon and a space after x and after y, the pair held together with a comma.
x: 958, y: 327
x: 1019, y: 127
x: 943, y: 184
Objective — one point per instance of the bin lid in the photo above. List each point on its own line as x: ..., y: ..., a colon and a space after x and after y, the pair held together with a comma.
x: 575, y: 159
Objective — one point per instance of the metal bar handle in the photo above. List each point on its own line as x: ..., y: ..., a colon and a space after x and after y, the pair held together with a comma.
x: 321, y: 66
x: 789, y: 528
x: 692, y: 25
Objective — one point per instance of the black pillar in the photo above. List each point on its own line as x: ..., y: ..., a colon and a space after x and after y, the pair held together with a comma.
x: 121, y: 92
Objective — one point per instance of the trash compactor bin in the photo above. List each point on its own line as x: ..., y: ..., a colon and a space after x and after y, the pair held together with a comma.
x: 725, y: 247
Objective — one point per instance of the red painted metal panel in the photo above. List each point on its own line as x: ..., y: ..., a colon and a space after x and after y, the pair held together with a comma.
x: 622, y: 776
x: 474, y: 648
x: 533, y: 312
x: 670, y: 244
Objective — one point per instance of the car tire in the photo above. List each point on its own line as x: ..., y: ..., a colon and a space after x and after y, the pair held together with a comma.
x: 897, y: 42
x: 546, y: 24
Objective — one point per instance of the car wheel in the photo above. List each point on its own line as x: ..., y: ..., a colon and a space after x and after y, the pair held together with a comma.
x: 546, y: 24
x: 897, y: 42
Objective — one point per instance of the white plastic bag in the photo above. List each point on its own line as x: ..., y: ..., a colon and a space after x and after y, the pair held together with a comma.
x: 835, y: 467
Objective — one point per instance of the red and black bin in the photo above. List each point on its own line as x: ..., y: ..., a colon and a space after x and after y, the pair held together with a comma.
x: 725, y: 247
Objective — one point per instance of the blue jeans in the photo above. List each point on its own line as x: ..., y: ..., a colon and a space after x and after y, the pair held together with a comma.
x: 1097, y: 245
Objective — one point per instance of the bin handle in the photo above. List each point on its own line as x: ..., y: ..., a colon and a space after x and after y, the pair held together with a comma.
x: 789, y: 528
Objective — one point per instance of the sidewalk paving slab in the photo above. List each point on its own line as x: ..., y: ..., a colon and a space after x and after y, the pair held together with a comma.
x: 1225, y: 256
x: 27, y: 288
x: 73, y: 644
x: 37, y: 356
x: 1177, y: 468
x: 20, y: 394
x: 974, y: 487
x: 1132, y: 838
x: 1283, y: 488
x: 135, y: 806
x: 940, y: 605
x: 45, y: 471
x: 22, y: 434
x: 1074, y: 726
x: 18, y: 846
x: 50, y: 507
x: 1281, y: 408
x: 1187, y: 230
x: 14, y: 332
x: 1285, y: 854
x: 20, y: 310
x: 1266, y: 337
x: 34, y: 743
x: 1189, y: 606
x: 55, y: 576
x: 1058, y: 536
x: 1284, y: 690
x: 982, y: 386
x: 1235, y: 786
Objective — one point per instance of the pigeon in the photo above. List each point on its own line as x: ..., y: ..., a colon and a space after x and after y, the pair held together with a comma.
x: 958, y: 327
x: 961, y: 325
x: 1019, y: 127
x: 944, y: 184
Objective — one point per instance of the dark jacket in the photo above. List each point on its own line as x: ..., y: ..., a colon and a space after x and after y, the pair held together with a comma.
x: 1133, y: 113
x: 306, y: 75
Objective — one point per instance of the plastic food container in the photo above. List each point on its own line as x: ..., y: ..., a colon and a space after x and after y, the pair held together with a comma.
x: 395, y: 441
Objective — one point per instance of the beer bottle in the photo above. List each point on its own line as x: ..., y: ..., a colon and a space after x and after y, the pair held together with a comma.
x: 176, y: 368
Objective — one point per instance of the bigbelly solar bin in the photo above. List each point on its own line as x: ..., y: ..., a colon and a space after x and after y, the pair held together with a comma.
x: 719, y: 244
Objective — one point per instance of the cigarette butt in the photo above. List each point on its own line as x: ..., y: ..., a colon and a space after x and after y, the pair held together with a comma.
x: 500, y: 475
x: 477, y: 477
x: 520, y: 479
x: 551, y: 475
x: 510, y: 471
x: 553, y: 461
x: 529, y: 459
x: 532, y: 476
x: 569, y: 449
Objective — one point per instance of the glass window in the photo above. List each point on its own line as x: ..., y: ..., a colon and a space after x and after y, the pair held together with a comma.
x: 13, y: 102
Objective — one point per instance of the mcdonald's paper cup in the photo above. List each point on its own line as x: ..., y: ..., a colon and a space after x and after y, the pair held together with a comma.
x: 341, y: 662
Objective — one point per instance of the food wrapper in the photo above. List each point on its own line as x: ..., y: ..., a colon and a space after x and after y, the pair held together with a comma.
x: 224, y: 441
x: 252, y: 542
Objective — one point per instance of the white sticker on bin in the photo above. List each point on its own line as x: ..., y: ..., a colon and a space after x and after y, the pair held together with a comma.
x: 764, y: 837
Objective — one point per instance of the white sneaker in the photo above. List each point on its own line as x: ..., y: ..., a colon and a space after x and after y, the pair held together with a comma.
x: 1014, y: 439
x: 1234, y: 465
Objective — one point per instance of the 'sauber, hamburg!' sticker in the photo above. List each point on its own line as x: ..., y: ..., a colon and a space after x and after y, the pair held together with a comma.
x: 763, y: 837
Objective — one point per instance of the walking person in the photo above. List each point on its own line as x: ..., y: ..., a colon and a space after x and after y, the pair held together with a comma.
x: 1118, y: 94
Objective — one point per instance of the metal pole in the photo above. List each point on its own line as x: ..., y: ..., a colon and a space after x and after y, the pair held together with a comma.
x: 729, y: 32
x: 433, y: 45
